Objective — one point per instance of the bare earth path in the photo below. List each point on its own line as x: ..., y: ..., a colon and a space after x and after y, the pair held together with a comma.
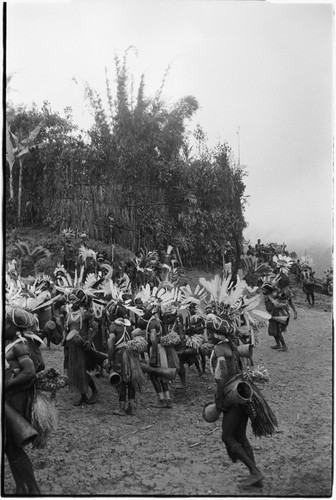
x: 175, y: 452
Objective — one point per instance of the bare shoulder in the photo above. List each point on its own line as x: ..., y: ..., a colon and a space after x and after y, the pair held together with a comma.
x: 20, y: 349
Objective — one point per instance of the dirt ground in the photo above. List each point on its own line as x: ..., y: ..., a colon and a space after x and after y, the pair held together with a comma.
x: 174, y: 452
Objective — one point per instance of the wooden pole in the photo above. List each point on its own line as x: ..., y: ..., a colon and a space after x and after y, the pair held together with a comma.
x: 11, y: 189
x: 20, y: 190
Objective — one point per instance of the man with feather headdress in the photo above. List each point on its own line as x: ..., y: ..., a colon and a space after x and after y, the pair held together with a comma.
x: 226, y: 365
x: 158, y: 321
x: 229, y: 304
x: 126, y: 364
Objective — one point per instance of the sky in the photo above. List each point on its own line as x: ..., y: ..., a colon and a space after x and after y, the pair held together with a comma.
x: 262, y: 73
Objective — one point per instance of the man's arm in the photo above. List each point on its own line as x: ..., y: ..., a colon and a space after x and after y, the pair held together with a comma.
x: 292, y: 306
x: 104, y: 330
x: 111, y: 342
x: 27, y: 374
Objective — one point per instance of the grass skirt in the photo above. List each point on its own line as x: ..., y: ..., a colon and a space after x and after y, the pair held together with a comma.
x: 77, y: 369
x: 172, y: 357
x: 43, y: 417
x: 39, y: 409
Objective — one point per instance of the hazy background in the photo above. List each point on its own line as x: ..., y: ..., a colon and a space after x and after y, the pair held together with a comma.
x: 262, y: 68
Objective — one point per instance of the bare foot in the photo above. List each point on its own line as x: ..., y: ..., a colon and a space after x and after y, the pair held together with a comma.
x: 253, y: 479
x: 94, y: 397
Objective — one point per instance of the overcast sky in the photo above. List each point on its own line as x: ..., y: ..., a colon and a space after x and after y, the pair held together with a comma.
x: 263, y: 67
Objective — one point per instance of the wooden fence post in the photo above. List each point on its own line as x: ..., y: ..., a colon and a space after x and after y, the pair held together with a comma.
x: 20, y: 190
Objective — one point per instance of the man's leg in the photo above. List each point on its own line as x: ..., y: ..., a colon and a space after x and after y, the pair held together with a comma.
x: 131, y: 399
x: 122, y: 400
x: 235, y: 420
x: 21, y: 467
x: 166, y: 395
x: 275, y: 334
x: 158, y: 389
x: 95, y: 393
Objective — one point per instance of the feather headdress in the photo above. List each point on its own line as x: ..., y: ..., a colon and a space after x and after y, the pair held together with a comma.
x: 233, y: 302
x: 108, y: 269
x: 306, y: 260
x: 12, y: 268
x: 26, y: 297
x: 196, y: 297
x: 68, y: 285
x: 283, y: 263
x: 253, y: 270
x: 86, y: 253
x: 111, y: 290
x: 114, y: 295
x: 149, y: 296
x: 217, y: 288
x: 329, y: 272
x: 68, y: 232
x: 61, y: 276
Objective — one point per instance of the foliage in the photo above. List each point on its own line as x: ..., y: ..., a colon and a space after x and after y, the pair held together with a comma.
x: 138, y: 143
